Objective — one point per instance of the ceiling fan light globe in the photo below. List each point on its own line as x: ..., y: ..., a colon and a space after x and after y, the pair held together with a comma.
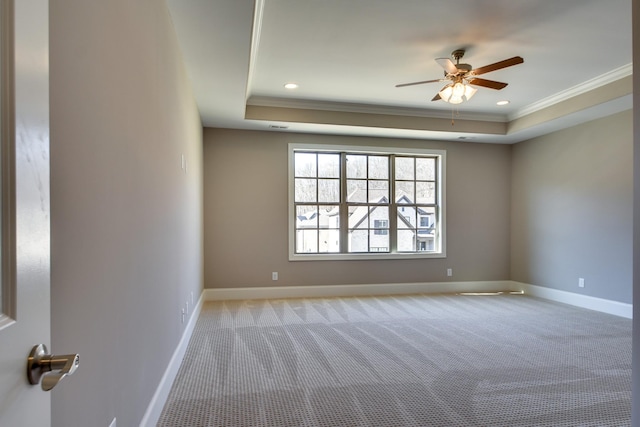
x: 458, y: 90
x: 446, y: 92
x: 457, y: 93
x: 469, y: 92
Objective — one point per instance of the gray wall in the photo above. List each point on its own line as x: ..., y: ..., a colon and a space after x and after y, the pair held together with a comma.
x: 126, y: 219
x: 572, y: 215
x: 245, y: 204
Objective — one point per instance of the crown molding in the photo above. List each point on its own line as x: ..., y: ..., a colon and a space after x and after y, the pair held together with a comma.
x: 589, y: 85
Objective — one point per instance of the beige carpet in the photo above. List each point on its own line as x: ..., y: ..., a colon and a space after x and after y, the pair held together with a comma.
x: 418, y: 360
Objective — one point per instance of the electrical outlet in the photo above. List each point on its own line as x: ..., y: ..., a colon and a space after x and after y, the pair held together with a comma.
x: 274, y: 275
x: 182, y: 314
x: 449, y: 272
x: 581, y: 282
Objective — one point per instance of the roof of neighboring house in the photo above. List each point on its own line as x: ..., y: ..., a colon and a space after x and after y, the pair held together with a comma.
x: 382, y: 201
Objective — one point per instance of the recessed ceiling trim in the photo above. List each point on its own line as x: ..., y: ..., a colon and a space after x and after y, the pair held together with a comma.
x: 324, y: 117
x: 596, y: 98
x: 589, y: 85
x: 345, y: 107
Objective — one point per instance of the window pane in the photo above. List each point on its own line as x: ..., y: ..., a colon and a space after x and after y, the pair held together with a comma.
x: 305, y: 190
x: 356, y: 191
x: 404, y: 168
x: 406, y: 241
x: 426, y: 169
x: 329, y: 241
x: 305, y: 164
x: 358, y: 217
x: 329, y: 216
x: 378, y: 167
x: 378, y: 242
x: 306, y: 216
x: 378, y: 191
x: 404, y: 192
x: 329, y: 190
x: 358, y: 240
x: 307, y: 241
x: 406, y: 217
x: 329, y: 165
x: 356, y: 166
x: 425, y: 192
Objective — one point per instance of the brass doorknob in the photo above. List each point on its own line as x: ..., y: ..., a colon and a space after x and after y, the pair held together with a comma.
x: 49, y: 367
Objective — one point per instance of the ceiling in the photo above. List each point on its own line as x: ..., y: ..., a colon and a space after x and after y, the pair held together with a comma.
x: 348, y: 55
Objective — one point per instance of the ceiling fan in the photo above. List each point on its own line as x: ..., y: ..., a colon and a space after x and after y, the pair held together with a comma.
x: 461, y: 77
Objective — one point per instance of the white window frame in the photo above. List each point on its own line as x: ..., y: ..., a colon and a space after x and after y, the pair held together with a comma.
x: 441, y: 187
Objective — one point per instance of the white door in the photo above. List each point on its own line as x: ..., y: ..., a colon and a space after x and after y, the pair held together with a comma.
x: 25, y: 319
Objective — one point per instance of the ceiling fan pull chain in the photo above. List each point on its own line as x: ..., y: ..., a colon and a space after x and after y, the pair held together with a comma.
x: 454, y: 112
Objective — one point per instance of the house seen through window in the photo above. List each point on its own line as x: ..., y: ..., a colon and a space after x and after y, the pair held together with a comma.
x: 349, y: 202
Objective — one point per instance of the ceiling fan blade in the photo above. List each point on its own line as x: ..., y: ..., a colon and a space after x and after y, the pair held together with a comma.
x: 448, y: 65
x: 497, y: 66
x: 487, y: 83
x: 418, y: 83
x: 437, y: 97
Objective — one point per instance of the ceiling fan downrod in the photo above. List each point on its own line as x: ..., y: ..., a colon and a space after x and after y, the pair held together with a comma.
x: 457, y: 55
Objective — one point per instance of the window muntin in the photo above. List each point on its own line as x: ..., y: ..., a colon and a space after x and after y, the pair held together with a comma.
x: 343, y: 199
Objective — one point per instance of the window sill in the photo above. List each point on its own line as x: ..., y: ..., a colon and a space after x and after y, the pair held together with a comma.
x: 365, y: 257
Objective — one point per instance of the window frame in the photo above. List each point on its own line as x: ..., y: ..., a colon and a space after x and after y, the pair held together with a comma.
x: 371, y: 150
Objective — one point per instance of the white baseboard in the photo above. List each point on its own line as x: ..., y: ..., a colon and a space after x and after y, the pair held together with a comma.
x: 584, y: 301
x: 578, y: 300
x: 154, y: 410
x: 223, y: 294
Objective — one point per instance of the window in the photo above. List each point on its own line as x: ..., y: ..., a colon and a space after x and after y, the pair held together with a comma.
x: 365, y: 203
x: 380, y: 227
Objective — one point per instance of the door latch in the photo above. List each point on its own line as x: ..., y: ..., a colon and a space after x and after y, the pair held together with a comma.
x: 50, y: 368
